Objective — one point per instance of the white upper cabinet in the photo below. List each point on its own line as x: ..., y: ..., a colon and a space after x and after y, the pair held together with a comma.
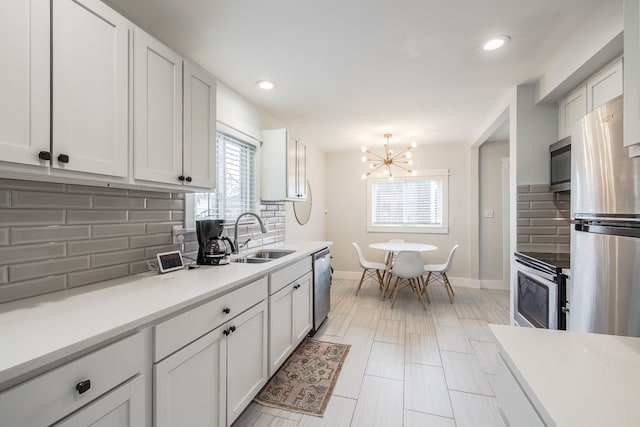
x: 280, y: 148
x: 604, y: 86
x: 157, y: 111
x: 600, y: 88
x: 90, y: 88
x: 24, y: 80
x: 571, y: 108
x: 631, y: 107
x: 199, y: 164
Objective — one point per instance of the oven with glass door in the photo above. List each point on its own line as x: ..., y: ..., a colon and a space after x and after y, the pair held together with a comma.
x: 540, y: 295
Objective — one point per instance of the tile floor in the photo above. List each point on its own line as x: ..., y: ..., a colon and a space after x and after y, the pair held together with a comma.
x: 406, y: 367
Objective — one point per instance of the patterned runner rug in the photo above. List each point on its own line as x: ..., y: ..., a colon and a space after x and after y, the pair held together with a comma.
x: 306, y: 379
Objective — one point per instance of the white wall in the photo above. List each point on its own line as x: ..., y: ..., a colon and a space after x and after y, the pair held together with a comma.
x: 346, y: 205
x: 491, y: 195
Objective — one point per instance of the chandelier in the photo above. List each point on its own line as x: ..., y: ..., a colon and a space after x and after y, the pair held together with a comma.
x: 400, y: 160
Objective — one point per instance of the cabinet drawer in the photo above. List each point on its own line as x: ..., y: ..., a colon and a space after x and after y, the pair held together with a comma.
x: 53, y: 395
x: 179, y: 331
x: 514, y: 403
x: 283, y: 277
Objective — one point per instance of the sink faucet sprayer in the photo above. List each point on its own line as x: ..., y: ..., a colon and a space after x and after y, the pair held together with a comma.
x: 263, y: 229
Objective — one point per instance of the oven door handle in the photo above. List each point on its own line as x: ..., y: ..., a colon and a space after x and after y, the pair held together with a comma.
x: 532, y: 270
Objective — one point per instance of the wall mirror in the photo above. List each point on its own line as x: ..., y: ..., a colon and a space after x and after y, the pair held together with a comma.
x: 302, y: 210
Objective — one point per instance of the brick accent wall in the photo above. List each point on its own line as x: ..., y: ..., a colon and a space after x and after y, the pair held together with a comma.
x: 543, y: 219
x: 61, y: 236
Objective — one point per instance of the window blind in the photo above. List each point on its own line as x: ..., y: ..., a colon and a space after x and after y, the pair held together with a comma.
x: 407, y: 202
x: 235, y: 181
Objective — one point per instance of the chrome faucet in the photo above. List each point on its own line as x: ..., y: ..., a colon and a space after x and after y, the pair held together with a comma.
x: 263, y: 229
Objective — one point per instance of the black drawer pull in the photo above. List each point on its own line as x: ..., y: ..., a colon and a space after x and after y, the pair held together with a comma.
x: 226, y: 332
x: 189, y: 179
x: 232, y: 328
x: 226, y: 310
x: 181, y: 178
x: 44, y: 155
x: 83, y: 386
x: 63, y: 158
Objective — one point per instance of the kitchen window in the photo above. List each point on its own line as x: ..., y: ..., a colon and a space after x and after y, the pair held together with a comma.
x: 409, y: 205
x: 235, y: 181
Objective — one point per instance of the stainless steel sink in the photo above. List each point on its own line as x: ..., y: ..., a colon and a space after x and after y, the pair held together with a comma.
x: 250, y: 260
x: 270, y: 253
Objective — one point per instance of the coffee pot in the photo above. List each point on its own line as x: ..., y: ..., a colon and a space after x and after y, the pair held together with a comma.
x: 213, y: 248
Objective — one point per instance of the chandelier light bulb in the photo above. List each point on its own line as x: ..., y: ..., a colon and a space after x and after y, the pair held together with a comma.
x: 364, y: 158
x: 364, y: 149
x: 413, y: 144
x: 364, y: 176
x: 371, y: 166
x: 410, y: 162
x: 386, y: 171
x: 414, y: 173
x: 390, y: 177
x: 390, y: 151
x: 407, y: 154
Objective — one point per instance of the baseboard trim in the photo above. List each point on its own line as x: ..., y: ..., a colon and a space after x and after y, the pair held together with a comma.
x: 462, y: 282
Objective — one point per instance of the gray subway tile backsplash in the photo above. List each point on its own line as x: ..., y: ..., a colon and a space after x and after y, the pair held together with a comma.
x: 57, y: 236
x: 543, y: 219
x: 97, y: 275
x: 38, y: 199
x: 52, y: 233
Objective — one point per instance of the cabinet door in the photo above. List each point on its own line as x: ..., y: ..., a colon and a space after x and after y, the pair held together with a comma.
x: 571, y: 108
x: 246, y: 359
x: 281, y: 327
x: 24, y: 80
x: 90, y: 88
x: 604, y: 86
x: 158, y: 111
x: 292, y: 169
x: 302, y: 304
x: 302, y: 170
x: 199, y: 127
x: 190, y: 384
x: 122, y: 407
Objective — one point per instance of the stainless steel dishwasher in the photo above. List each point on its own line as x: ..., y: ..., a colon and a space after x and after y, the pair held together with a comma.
x: 321, y: 288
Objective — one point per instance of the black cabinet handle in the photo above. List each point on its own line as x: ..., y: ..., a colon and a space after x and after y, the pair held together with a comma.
x: 83, y: 386
x: 181, y: 178
x: 296, y: 286
x: 226, y: 332
x: 63, y: 158
x: 44, y: 155
x: 226, y: 310
x: 232, y: 328
x: 189, y: 179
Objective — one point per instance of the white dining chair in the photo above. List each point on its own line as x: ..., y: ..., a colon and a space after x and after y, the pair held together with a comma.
x: 438, y: 272
x: 370, y: 269
x: 410, y: 266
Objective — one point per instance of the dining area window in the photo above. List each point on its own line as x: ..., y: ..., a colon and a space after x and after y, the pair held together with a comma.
x: 409, y: 204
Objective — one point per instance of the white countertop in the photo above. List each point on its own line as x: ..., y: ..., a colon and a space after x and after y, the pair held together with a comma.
x: 575, y: 379
x: 37, y: 331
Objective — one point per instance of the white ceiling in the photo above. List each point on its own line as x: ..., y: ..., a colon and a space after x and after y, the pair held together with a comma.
x: 348, y: 71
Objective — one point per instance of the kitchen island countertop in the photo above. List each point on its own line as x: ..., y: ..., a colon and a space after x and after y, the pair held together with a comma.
x: 38, y: 331
x: 572, y: 378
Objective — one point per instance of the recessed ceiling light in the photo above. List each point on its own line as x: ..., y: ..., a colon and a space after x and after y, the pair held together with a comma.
x: 265, y: 84
x: 496, y: 42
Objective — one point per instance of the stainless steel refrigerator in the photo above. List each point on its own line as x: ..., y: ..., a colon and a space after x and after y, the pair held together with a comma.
x: 605, y: 230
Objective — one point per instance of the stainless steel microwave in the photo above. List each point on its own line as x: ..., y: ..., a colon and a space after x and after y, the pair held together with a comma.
x: 561, y: 165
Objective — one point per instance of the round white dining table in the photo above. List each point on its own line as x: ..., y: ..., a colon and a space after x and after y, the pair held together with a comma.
x: 402, y: 246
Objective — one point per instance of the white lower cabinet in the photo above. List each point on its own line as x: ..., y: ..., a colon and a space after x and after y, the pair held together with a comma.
x: 122, y: 407
x: 105, y: 387
x: 210, y: 381
x: 514, y: 403
x: 246, y: 359
x: 290, y: 319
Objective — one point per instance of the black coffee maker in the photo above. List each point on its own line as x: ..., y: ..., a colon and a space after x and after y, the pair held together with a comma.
x: 213, y: 249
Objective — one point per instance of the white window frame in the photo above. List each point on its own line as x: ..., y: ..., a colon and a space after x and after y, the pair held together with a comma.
x: 437, y: 174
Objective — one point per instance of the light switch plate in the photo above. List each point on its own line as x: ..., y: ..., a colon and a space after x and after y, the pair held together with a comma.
x: 488, y: 213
